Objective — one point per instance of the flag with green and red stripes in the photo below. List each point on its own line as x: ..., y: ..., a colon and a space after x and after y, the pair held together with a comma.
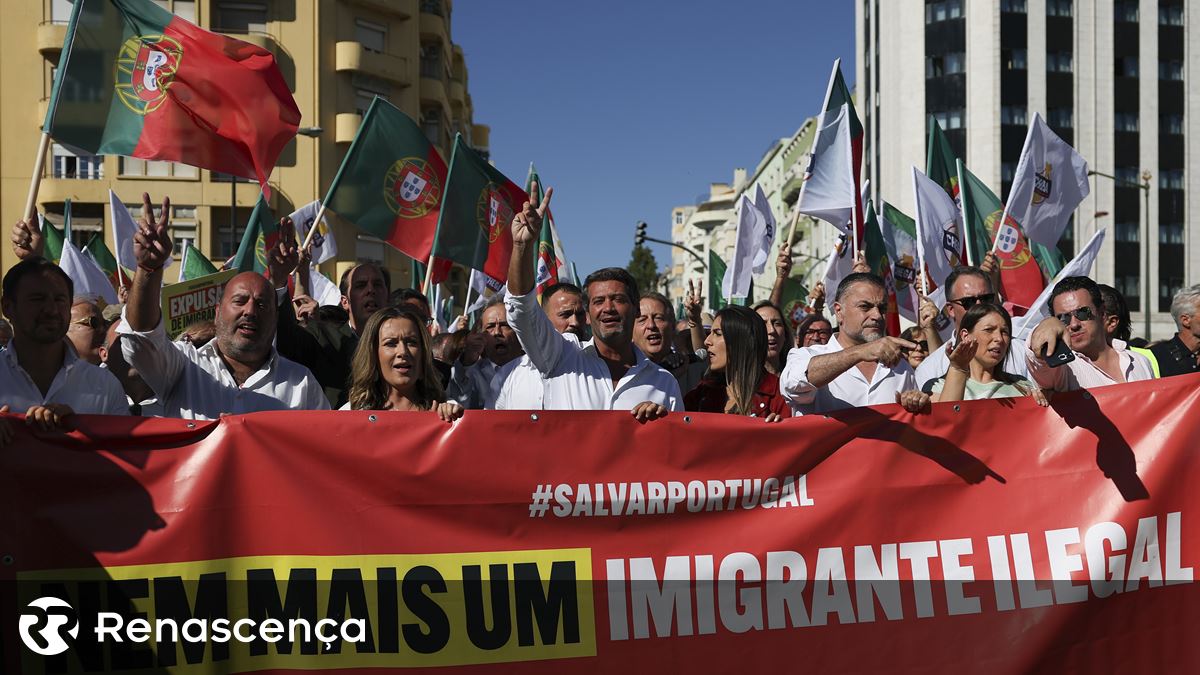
x: 261, y: 235
x: 104, y: 258
x: 136, y: 80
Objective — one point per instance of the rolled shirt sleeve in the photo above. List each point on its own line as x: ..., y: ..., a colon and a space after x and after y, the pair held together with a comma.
x: 153, y: 355
x: 1045, y: 376
x: 793, y: 382
x: 541, y: 342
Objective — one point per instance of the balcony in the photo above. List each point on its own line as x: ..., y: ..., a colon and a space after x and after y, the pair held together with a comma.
x: 345, y: 126
x: 352, y: 57
x: 261, y: 40
x: 433, y: 27
x: 50, y: 37
x: 434, y: 91
x: 458, y: 94
x: 401, y: 9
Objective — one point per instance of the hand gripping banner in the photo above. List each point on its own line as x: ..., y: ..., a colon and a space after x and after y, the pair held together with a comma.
x: 986, y: 536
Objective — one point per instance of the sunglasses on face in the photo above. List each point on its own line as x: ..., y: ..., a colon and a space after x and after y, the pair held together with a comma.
x: 826, y: 332
x: 970, y: 301
x: 1083, y: 314
x: 90, y: 322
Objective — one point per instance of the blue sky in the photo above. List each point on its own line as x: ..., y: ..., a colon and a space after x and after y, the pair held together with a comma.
x: 631, y: 108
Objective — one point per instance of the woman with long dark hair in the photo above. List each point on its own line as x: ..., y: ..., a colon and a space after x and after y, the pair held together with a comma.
x: 779, y: 335
x: 393, y: 367
x: 977, y: 361
x: 737, y: 381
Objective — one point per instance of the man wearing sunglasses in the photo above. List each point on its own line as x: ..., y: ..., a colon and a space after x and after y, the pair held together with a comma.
x: 1077, y: 317
x: 965, y: 287
x: 87, y: 329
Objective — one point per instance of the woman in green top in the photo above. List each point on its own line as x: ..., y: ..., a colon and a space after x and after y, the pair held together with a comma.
x: 977, y: 361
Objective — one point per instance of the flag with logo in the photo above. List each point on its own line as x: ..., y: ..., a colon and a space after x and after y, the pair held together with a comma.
x: 87, y: 276
x: 793, y: 302
x: 1049, y: 183
x: 261, y: 235
x: 550, y: 265
x: 134, y: 79
x: 321, y: 289
x: 840, y: 265
x: 1080, y: 266
x: 880, y: 263
x: 1020, y: 278
x: 835, y: 163
x: 941, y: 166
x: 766, y: 240
x: 99, y: 253
x: 193, y: 264
x: 716, y: 273
x: 900, y: 239
x: 485, y: 288
x: 52, y: 237
x: 939, y: 243
x: 475, y: 226
x: 751, y: 224
x: 324, y: 244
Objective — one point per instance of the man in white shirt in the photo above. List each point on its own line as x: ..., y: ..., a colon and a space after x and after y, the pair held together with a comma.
x: 238, y: 371
x: 485, y: 354
x: 861, y: 365
x: 1078, y: 318
x: 966, y: 286
x: 608, y: 374
x: 40, y: 373
x: 519, y: 385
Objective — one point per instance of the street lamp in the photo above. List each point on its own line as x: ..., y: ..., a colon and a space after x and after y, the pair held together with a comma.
x: 1144, y: 186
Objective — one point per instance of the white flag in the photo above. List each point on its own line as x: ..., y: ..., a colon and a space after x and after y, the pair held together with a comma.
x: 87, y: 276
x: 183, y: 257
x: 1080, y: 266
x: 738, y: 275
x: 1050, y: 182
x: 321, y: 289
x: 124, y: 226
x: 840, y: 265
x: 486, y: 288
x: 828, y: 192
x: 938, y: 239
x: 324, y: 244
x: 763, y: 254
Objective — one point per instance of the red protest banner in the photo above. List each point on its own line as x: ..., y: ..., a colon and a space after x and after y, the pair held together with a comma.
x: 993, y: 536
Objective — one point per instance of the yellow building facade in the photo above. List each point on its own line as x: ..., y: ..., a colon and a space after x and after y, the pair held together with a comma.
x: 336, y: 56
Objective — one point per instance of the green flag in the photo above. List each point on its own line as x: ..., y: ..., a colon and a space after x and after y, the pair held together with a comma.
x: 194, y: 265
x: 474, y: 227
x: 1049, y: 259
x: 978, y: 203
x: 104, y: 258
x: 261, y: 235
x: 416, y: 270
x: 900, y: 237
x: 53, y: 238
x: 716, y: 272
x: 940, y: 162
x: 881, y: 265
x: 793, y: 301
x: 1020, y: 277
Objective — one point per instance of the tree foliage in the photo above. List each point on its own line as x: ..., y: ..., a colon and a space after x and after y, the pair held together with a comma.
x: 644, y: 268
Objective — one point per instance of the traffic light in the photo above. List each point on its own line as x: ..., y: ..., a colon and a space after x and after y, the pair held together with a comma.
x: 640, y: 237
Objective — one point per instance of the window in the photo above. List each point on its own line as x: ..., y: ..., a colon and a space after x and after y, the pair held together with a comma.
x: 679, y: 217
x: 183, y: 226
x: 1125, y: 11
x: 186, y: 9
x: 66, y: 164
x: 432, y: 7
x: 1171, y: 124
x: 935, y: 66
x: 1128, y: 232
x: 1127, y: 285
x: 1061, y: 118
x: 1170, y: 179
x: 372, y: 36
x: 1012, y: 6
x: 955, y: 63
x: 1125, y: 121
x: 431, y: 124
x: 1014, y: 59
x: 1013, y: 115
x: 1129, y: 176
x: 1126, y: 66
x: 1170, y: 233
x: 1170, y: 15
x: 1007, y: 171
x: 130, y: 166
x: 240, y: 17
x: 1058, y: 7
x: 1170, y: 70
x: 369, y: 249
x: 363, y: 98
x: 431, y: 60
x: 950, y: 119
x: 1059, y: 62
x: 954, y: 9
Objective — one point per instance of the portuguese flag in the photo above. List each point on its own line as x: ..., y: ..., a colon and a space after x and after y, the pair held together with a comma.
x: 881, y: 265
x: 549, y: 266
x: 716, y: 273
x: 942, y: 167
x: 261, y: 235
x: 193, y: 264
x: 1020, y: 277
x: 391, y: 182
x: 136, y: 80
x: 104, y: 258
x: 475, y: 226
x: 54, y: 237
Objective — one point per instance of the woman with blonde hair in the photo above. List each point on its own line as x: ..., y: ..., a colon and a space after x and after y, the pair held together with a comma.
x: 393, y: 367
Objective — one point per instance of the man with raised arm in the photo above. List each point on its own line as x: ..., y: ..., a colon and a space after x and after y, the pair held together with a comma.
x: 608, y: 373
x: 519, y: 385
x: 238, y: 371
x: 861, y: 365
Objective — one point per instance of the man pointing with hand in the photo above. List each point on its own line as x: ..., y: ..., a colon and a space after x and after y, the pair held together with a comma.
x: 861, y: 366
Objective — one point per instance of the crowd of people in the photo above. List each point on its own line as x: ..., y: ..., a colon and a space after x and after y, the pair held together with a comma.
x: 607, y: 345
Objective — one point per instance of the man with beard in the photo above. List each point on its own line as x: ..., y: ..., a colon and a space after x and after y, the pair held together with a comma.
x: 87, y: 329
x: 1077, y: 310
x: 654, y: 334
x: 519, y: 384
x: 608, y: 373
x: 861, y: 365
x: 471, y: 377
x: 325, y: 348
x: 40, y: 373
x: 238, y: 371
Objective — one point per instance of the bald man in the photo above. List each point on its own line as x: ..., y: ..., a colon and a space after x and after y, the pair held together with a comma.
x: 238, y: 371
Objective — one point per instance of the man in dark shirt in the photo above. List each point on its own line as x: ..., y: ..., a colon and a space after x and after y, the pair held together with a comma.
x: 1181, y: 354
